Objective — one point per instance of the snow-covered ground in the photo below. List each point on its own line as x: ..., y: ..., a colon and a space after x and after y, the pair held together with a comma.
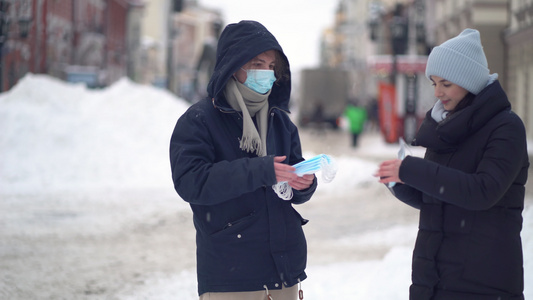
x: 89, y: 212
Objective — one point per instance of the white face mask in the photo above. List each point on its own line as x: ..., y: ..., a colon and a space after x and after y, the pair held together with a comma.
x: 260, y: 81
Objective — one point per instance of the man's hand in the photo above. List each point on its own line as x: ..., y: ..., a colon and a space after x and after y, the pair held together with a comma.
x: 285, y: 172
x: 301, y: 183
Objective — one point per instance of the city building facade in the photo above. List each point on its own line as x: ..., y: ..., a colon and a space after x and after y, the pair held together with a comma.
x: 179, y: 46
x: 519, y: 59
x: 506, y: 28
x: 91, y: 41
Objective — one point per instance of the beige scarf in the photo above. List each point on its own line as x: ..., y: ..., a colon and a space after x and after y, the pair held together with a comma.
x: 250, y: 103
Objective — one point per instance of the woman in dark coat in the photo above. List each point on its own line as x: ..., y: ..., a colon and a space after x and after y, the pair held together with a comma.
x: 469, y: 187
x: 226, y: 153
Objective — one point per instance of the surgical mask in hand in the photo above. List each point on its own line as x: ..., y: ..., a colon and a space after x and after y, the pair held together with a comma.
x: 260, y: 81
x: 401, y: 155
x: 321, y: 162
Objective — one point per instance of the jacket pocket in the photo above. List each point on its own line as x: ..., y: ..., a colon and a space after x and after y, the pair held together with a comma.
x: 302, y: 220
x: 235, y: 226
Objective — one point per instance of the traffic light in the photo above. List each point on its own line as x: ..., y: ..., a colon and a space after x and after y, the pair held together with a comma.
x: 399, y: 35
x: 399, y: 31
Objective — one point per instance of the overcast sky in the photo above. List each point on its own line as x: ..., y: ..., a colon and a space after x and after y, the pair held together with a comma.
x: 296, y: 24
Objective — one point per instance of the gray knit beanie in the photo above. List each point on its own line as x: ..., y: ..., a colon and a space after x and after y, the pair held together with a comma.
x: 460, y: 60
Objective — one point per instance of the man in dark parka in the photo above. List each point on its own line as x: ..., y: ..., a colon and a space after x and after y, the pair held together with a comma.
x: 470, y: 186
x: 226, y: 153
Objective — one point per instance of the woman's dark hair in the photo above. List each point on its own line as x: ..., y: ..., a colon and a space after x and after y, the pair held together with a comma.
x: 467, y: 100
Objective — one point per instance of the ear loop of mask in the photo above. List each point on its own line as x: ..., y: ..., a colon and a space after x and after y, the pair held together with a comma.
x: 321, y: 162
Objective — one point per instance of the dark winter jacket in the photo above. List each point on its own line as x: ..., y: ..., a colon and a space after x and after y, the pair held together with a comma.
x: 247, y: 237
x: 470, y: 192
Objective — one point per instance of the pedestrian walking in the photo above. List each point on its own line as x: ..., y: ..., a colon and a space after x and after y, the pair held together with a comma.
x: 356, y: 116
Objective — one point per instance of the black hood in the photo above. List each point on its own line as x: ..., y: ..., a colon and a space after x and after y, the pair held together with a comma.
x: 238, y: 44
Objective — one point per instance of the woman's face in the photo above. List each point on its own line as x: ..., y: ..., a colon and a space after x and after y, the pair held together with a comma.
x: 264, y: 61
x: 450, y: 94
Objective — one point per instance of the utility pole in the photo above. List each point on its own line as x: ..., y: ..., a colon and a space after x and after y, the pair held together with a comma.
x: 170, y: 48
x: 399, y: 36
x: 175, y: 6
x: 399, y: 39
x: 4, y: 7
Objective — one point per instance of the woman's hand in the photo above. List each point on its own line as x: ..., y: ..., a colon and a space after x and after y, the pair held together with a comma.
x: 389, y: 171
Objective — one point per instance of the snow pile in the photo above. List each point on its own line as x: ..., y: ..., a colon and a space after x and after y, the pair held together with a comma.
x: 57, y: 136
x: 384, y: 279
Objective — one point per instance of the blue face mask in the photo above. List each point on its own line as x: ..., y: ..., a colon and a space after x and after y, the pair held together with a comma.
x: 260, y: 81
